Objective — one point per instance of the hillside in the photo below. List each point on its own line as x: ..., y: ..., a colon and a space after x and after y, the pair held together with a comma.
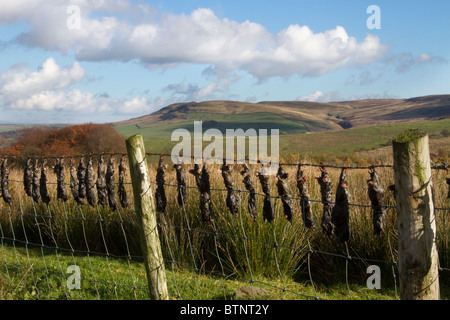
x: 314, y: 116
x: 335, y: 127
x: 291, y: 116
x: 370, y: 112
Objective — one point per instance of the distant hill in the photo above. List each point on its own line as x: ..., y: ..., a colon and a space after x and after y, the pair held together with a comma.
x: 389, y: 111
x: 291, y: 117
x: 334, y: 127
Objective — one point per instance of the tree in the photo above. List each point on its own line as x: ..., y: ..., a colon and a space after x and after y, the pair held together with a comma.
x: 68, y: 141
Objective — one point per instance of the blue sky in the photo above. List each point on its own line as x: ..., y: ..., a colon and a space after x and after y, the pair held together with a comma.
x: 76, y: 61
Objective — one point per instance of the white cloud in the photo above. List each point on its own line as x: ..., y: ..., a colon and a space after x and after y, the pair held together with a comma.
x: 49, y: 89
x: 79, y: 102
x: 15, y: 84
x: 199, y: 37
x: 319, y: 96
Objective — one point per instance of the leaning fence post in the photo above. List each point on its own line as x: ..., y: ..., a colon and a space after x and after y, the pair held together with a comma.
x: 146, y: 213
x: 416, y: 221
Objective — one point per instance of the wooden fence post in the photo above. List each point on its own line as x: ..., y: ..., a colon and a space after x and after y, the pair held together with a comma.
x: 146, y: 213
x: 418, y: 257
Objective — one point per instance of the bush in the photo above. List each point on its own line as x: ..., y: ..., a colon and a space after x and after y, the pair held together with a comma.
x: 72, y: 140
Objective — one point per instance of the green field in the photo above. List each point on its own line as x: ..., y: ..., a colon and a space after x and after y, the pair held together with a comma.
x: 219, y: 121
x: 46, y: 278
x: 355, y: 140
x: 157, y: 138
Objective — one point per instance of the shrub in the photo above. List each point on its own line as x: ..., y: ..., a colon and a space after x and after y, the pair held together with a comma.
x: 72, y: 140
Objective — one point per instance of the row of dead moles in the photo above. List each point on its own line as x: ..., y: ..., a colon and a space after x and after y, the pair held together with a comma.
x: 84, y: 183
x: 86, y: 186
x: 335, y: 215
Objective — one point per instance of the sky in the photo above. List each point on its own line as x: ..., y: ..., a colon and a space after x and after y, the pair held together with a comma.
x: 78, y: 61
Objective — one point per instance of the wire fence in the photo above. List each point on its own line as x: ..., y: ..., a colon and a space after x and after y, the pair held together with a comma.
x: 66, y: 249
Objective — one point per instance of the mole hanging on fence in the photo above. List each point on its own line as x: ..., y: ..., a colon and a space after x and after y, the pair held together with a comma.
x: 196, y: 172
x: 326, y: 191
x: 268, y: 212
x: 110, y: 184
x: 181, y: 184
x: 61, y: 190
x: 90, y: 183
x: 28, y: 178
x: 307, y: 215
x: 252, y: 201
x: 160, y: 193
x: 81, y: 175
x: 340, y: 214
x: 36, y: 194
x: 376, y: 196
x: 43, y: 190
x: 205, y: 195
x: 6, y: 195
x: 232, y: 201
x: 102, y: 193
x: 285, y: 193
x: 74, y: 184
x: 123, y: 197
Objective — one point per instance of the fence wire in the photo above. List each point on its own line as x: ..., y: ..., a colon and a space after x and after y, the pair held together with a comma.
x: 49, y: 248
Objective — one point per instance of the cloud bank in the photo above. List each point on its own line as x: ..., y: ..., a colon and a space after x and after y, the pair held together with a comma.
x: 129, y: 31
x: 49, y: 89
x: 114, y: 30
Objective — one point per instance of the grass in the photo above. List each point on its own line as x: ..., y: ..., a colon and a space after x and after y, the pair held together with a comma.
x: 355, y: 140
x: 36, y: 280
x: 219, y: 121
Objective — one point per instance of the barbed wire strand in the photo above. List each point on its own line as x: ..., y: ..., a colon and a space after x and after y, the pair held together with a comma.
x: 222, y: 160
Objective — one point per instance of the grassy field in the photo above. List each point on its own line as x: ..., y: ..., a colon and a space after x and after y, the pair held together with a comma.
x: 219, y: 121
x: 358, y: 139
x: 39, y: 280
x: 357, y: 143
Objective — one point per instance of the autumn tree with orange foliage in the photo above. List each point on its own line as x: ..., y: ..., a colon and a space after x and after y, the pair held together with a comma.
x: 68, y: 141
